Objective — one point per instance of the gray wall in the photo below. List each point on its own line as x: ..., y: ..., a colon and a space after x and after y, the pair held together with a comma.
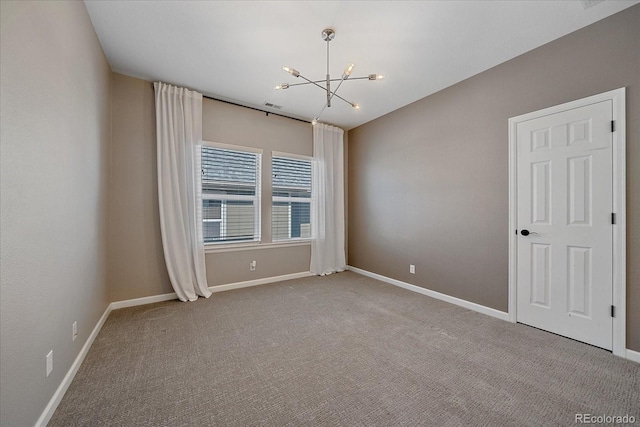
x: 428, y: 183
x: 55, y: 117
x: 136, y: 266
x: 136, y: 261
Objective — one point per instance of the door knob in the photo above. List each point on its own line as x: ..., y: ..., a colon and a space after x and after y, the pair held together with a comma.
x: 526, y: 232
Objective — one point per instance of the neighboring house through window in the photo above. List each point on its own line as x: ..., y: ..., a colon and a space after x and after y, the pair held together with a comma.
x: 230, y: 193
x: 291, y: 190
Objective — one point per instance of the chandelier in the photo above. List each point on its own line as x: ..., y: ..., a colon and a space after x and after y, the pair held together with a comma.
x: 327, y: 35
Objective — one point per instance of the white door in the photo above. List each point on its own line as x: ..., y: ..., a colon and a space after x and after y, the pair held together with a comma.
x: 564, y: 223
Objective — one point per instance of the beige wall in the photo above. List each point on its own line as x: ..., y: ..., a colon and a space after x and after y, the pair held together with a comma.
x: 428, y: 184
x: 230, y: 124
x: 136, y: 261
x: 137, y: 267
x: 55, y: 121
x: 233, y: 267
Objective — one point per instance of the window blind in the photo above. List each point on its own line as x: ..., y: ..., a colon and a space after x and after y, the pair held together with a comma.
x: 230, y: 195
x: 291, y: 205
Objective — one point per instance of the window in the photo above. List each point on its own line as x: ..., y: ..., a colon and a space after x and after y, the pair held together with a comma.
x: 291, y: 208
x: 230, y: 194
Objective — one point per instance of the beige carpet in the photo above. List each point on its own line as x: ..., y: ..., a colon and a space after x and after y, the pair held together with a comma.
x: 342, y: 350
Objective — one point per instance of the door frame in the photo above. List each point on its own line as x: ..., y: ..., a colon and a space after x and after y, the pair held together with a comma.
x: 617, y: 98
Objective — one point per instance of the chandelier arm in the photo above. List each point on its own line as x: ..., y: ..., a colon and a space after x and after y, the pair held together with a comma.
x: 338, y: 96
x: 335, y: 91
x: 323, y: 81
x: 301, y: 84
x: 312, y: 82
x: 325, y: 105
x: 332, y: 95
x: 323, y: 108
x: 338, y: 80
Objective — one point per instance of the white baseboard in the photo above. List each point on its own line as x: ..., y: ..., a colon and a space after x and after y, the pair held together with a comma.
x: 632, y: 355
x: 219, y: 288
x: 51, y: 407
x: 256, y: 282
x: 142, y: 301
x: 629, y: 354
x: 433, y: 294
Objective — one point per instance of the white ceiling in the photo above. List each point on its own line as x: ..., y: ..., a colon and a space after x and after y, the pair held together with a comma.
x: 235, y: 50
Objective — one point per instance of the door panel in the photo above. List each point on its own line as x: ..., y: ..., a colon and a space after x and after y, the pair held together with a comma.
x: 579, y: 268
x: 540, y: 192
x: 540, y: 260
x: 564, y: 198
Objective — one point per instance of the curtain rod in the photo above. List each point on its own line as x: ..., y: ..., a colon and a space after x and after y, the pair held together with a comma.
x: 256, y: 109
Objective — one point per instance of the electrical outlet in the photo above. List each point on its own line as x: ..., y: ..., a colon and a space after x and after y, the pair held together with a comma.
x: 49, y: 362
x: 252, y: 265
x: 74, y: 331
x: 412, y: 269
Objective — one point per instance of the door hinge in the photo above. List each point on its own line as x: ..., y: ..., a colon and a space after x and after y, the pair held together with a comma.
x: 613, y: 311
x: 613, y: 126
x: 613, y: 218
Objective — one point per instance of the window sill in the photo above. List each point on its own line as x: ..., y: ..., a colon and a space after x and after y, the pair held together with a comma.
x: 211, y: 249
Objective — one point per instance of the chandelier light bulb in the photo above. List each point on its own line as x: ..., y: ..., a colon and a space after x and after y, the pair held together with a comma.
x: 314, y: 121
x: 347, y: 71
x: 282, y: 86
x: 376, y: 76
x: 291, y: 71
x: 356, y: 106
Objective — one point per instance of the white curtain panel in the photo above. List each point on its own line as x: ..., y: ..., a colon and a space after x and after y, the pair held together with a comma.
x: 179, y: 135
x: 327, y: 216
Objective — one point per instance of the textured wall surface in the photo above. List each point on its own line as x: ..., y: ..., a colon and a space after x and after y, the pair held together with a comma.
x: 56, y: 125
x: 428, y: 184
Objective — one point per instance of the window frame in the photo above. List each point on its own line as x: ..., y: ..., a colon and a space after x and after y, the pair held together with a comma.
x: 290, y: 199
x: 257, y: 199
